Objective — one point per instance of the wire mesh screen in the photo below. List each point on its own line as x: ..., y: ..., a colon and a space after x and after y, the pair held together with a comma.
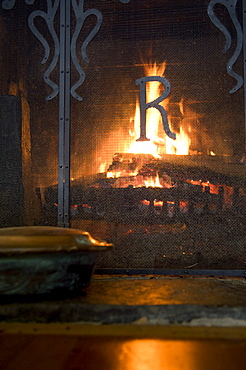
x: 29, y: 130
x: 181, y: 204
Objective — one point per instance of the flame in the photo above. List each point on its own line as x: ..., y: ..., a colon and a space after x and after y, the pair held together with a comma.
x: 114, y: 174
x: 102, y: 167
x: 153, y: 117
x: 153, y: 182
x: 181, y: 145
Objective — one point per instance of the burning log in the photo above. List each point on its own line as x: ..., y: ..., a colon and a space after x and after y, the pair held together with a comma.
x: 181, y: 192
x: 127, y: 164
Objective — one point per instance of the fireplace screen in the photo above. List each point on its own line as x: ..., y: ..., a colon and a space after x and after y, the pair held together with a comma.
x: 129, y: 125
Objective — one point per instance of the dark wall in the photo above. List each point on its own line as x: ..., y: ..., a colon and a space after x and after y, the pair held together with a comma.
x: 11, y: 186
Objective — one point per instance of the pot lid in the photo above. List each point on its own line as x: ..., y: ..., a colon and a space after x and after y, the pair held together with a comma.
x: 45, y: 239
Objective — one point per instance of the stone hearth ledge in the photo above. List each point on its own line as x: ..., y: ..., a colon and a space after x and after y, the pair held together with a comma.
x: 191, y: 315
x: 138, y: 300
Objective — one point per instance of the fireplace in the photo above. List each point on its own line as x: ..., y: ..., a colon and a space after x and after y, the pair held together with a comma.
x: 155, y: 146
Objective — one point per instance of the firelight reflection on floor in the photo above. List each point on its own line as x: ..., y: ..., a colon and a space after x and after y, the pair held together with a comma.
x: 153, y: 354
x: 121, y: 347
x: 156, y: 354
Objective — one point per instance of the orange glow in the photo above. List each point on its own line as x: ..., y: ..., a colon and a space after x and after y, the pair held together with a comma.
x: 117, y: 174
x: 180, y: 146
x: 145, y: 147
x: 129, y: 231
x: 157, y: 354
x: 153, y: 182
x: 214, y: 189
x: 146, y: 202
x: 157, y: 203
x: 86, y: 206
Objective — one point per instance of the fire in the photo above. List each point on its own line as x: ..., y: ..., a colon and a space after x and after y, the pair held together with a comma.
x: 153, y: 182
x: 158, y: 143
x: 153, y: 118
x: 180, y: 146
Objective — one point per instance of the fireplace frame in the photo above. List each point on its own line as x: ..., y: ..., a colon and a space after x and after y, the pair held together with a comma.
x: 65, y: 54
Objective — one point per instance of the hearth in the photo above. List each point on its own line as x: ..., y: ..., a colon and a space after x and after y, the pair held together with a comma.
x: 141, y: 138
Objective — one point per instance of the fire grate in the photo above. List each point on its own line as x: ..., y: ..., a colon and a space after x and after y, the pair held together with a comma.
x: 185, y: 228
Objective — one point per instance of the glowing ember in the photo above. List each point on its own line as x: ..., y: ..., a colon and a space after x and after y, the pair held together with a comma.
x: 157, y: 203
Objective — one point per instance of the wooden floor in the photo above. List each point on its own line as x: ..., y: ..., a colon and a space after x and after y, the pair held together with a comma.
x: 120, y: 347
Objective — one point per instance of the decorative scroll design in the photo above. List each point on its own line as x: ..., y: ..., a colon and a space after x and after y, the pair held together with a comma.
x: 49, y: 18
x: 80, y: 19
x: 81, y: 16
x: 231, y: 7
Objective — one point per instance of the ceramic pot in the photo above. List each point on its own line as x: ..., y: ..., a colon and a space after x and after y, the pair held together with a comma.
x: 45, y: 260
